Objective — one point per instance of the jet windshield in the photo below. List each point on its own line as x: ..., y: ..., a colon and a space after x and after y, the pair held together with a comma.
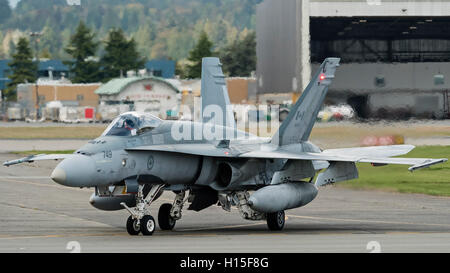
x: 130, y: 124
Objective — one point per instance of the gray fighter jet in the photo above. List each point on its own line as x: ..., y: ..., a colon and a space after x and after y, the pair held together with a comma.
x: 210, y: 162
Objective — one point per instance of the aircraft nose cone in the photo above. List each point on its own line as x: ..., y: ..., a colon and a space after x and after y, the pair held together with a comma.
x: 77, y: 171
x: 59, y: 176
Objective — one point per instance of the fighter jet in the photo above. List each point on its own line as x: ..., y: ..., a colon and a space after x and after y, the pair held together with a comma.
x: 211, y: 162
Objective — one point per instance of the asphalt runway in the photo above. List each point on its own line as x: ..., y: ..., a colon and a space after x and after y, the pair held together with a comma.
x: 37, y: 215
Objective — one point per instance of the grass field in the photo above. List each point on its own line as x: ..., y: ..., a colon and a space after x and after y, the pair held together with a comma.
x: 344, y: 133
x: 35, y: 152
x: 433, y: 181
x: 51, y: 132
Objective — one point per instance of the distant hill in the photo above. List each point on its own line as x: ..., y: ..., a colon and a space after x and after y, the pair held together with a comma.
x: 162, y: 28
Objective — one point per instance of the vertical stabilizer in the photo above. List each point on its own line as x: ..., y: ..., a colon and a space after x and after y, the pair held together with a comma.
x: 215, y: 92
x: 298, y: 125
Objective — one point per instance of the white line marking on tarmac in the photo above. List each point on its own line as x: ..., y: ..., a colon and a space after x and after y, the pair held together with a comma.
x: 24, y: 177
x: 367, y: 221
x: 21, y: 206
x: 222, y: 227
x: 41, y: 184
x: 7, y: 237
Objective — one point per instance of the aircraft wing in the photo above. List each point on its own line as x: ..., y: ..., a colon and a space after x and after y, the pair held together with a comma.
x: 204, y: 149
x: 32, y: 158
x: 374, y: 151
x: 374, y: 155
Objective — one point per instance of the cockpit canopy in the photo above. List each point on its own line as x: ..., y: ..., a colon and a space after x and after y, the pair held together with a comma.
x: 131, y: 124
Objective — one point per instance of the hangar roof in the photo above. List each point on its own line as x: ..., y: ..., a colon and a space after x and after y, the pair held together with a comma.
x: 115, y: 86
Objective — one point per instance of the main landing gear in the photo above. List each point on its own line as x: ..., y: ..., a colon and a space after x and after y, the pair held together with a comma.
x: 169, y: 214
x: 140, y: 220
x: 276, y: 220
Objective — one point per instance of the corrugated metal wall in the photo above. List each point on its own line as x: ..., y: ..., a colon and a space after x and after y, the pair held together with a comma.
x: 277, y: 46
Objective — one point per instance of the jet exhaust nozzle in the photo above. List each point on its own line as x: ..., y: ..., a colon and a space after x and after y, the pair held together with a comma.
x: 280, y: 197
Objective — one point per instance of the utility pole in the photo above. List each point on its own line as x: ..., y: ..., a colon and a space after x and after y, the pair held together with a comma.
x: 36, y: 36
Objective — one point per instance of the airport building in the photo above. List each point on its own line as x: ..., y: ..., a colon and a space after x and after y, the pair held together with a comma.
x: 53, y: 94
x: 152, y: 95
x: 394, y: 54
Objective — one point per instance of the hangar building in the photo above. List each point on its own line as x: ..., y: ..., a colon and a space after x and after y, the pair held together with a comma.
x: 152, y: 95
x: 395, y: 54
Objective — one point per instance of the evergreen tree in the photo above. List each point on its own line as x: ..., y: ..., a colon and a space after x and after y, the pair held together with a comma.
x: 84, y: 68
x: 5, y: 11
x: 120, y: 55
x: 239, y: 58
x: 160, y: 28
x: 201, y: 50
x: 23, y: 68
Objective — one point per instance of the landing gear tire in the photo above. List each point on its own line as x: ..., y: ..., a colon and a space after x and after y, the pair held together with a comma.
x: 165, y: 221
x: 276, y: 220
x: 133, y: 227
x: 148, y: 225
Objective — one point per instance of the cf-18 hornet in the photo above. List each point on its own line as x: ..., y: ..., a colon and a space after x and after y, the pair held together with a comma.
x: 211, y: 162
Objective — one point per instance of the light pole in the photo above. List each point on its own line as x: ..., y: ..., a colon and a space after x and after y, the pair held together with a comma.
x: 36, y: 36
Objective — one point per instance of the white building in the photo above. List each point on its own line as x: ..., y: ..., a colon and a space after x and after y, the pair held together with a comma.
x: 143, y: 94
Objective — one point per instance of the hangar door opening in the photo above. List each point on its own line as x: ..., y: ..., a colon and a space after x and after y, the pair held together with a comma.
x: 385, y: 54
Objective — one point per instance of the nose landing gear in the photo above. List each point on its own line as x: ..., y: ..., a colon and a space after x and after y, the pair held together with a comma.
x: 148, y: 225
x: 140, y: 219
x: 133, y: 226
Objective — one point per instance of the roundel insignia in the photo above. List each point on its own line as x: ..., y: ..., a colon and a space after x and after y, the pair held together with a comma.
x: 150, y: 162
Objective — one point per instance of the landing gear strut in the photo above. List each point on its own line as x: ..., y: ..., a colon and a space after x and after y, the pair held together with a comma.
x: 140, y: 219
x: 169, y: 214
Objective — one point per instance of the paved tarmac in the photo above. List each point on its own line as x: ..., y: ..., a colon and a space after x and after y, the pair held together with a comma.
x: 37, y: 215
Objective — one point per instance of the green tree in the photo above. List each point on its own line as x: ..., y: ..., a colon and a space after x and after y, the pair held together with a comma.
x: 239, y: 58
x: 160, y: 28
x: 11, y: 48
x: 84, y: 67
x: 180, y: 71
x: 51, y: 41
x: 143, y: 38
x: 22, y: 67
x: 202, y: 49
x: 2, y: 50
x: 120, y: 55
x: 5, y: 11
x: 45, y: 54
